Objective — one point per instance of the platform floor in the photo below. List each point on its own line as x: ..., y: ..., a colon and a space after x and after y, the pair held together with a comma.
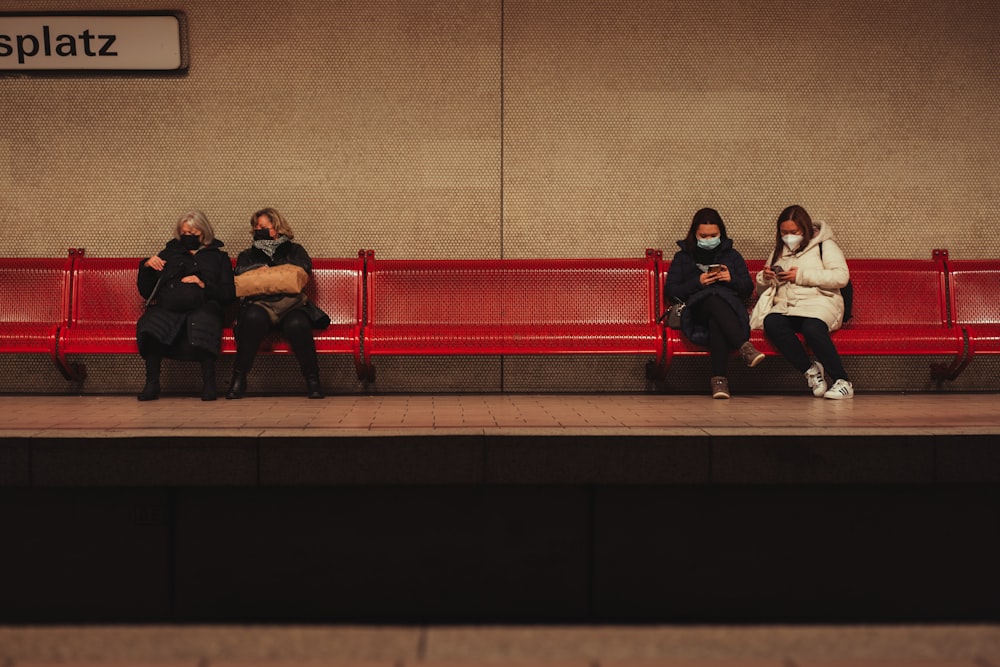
x: 524, y: 646
x: 578, y: 646
x: 594, y: 414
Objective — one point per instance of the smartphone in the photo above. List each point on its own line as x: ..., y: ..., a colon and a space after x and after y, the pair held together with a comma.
x: 714, y: 268
x: 777, y: 268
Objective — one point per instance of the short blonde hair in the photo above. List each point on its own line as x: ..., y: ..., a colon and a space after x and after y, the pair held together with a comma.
x: 280, y: 225
x: 199, y: 221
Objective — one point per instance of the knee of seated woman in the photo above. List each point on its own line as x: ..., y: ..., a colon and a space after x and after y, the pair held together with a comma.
x: 254, y: 314
x: 296, y: 320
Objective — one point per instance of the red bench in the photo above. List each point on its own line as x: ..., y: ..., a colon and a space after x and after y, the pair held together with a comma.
x: 975, y: 303
x: 105, y: 305
x: 83, y: 305
x: 512, y: 307
x: 34, y: 304
x: 900, y: 308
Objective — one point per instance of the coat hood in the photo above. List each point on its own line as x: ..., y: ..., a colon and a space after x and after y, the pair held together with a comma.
x: 823, y: 233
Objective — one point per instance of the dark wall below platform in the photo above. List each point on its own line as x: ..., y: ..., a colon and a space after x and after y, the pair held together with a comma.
x: 480, y: 553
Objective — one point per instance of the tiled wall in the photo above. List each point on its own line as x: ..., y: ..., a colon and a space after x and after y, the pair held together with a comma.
x: 520, y: 128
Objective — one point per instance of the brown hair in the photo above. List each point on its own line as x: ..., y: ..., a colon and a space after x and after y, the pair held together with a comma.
x: 801, y: 217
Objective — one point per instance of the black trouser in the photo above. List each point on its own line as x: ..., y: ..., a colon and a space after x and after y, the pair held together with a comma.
x: 255, y: 324
x: 781, y: 330
x: 725, y: 331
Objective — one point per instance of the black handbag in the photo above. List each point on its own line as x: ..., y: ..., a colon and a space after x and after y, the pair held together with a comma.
x: 674, y: 314
x: 317, y: 318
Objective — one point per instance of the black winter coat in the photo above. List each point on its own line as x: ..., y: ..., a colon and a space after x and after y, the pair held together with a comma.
x: 684, y: 283
x: 203, y: 321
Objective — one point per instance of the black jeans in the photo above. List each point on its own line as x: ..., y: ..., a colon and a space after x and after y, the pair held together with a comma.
x: 781, y: 330
x: 254, y: 324
x: 725, y: 332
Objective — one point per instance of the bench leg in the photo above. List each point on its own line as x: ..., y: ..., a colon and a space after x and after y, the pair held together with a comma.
x: 72, y: 372
x: 942, y: 372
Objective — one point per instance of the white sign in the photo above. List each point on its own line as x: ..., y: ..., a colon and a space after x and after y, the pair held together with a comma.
x: 100, y: 42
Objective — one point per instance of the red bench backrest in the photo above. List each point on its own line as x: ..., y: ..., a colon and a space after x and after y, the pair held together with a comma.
x: 510, y: 291
x: 897, y: 292
x: 34, y: 290
x: 975, y: 287
x: 891, y: 292
x: 336, y: 288
x: 105, y: 292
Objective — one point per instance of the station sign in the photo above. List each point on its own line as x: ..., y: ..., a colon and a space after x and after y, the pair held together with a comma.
x: 99, y: 41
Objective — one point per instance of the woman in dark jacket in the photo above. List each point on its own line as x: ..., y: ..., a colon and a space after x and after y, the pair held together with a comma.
x: 261, y: 314
x: 710, y: 277
x: 186, y: 285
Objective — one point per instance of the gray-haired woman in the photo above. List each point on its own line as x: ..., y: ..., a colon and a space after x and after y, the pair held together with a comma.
x: 186, y: 285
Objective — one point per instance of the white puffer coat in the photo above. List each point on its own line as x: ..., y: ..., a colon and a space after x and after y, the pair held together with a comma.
x: 816, y: 290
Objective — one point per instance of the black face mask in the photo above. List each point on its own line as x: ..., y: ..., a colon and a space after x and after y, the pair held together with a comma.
x: 190, y: 241
x: 262, y: 235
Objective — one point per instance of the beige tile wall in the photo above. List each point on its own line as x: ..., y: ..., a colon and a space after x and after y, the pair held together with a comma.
x: 521, y: 128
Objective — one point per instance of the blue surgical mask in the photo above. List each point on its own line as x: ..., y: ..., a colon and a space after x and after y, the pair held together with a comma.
x: 710, y: 243
x: 792, y: 241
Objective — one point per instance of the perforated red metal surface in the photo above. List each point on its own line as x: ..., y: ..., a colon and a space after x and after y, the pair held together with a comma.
x: 33, y: 302
x: 107, y: 304
x: 899, y: 309
x: 526, y: 306
x: 975, y: 289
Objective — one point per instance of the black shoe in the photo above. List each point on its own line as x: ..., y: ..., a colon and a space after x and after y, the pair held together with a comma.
x: 238, y: 386
x: 150, y: 392
x: 208, y: 391
x: 313, y: 387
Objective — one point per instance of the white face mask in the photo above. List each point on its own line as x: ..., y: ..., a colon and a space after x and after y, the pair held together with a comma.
x: 792, y: 241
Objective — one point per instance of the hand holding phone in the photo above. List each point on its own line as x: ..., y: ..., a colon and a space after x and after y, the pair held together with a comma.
x: 714, y: 268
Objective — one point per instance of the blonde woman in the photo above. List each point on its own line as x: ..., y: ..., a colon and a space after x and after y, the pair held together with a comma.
x: 261, y: 314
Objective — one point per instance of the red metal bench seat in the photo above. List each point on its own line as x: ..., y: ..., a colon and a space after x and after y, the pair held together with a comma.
x: 106, y: 306
x: 975, y: 295
x: 34, y: 303
x: 899, y: 309
x: 512, y: 307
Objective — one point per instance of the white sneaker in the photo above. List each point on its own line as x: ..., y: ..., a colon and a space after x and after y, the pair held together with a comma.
x: 840, y: 389
x: 815, y: 379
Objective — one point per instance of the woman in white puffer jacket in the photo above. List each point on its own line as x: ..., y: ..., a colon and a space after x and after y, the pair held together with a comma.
x: 804, y: 275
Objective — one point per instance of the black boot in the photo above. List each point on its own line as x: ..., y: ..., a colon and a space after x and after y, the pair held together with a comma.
x: 208, y: 391
x: 313, y: 387
x: 238, y: 386
x: 151, y: 391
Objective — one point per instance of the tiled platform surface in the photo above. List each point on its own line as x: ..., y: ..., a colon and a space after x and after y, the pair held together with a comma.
x: 441, y: 646
x: 499, y: 439
x: 506, y: 414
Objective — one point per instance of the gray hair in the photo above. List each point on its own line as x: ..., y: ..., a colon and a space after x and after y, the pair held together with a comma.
x: 199, y: 221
